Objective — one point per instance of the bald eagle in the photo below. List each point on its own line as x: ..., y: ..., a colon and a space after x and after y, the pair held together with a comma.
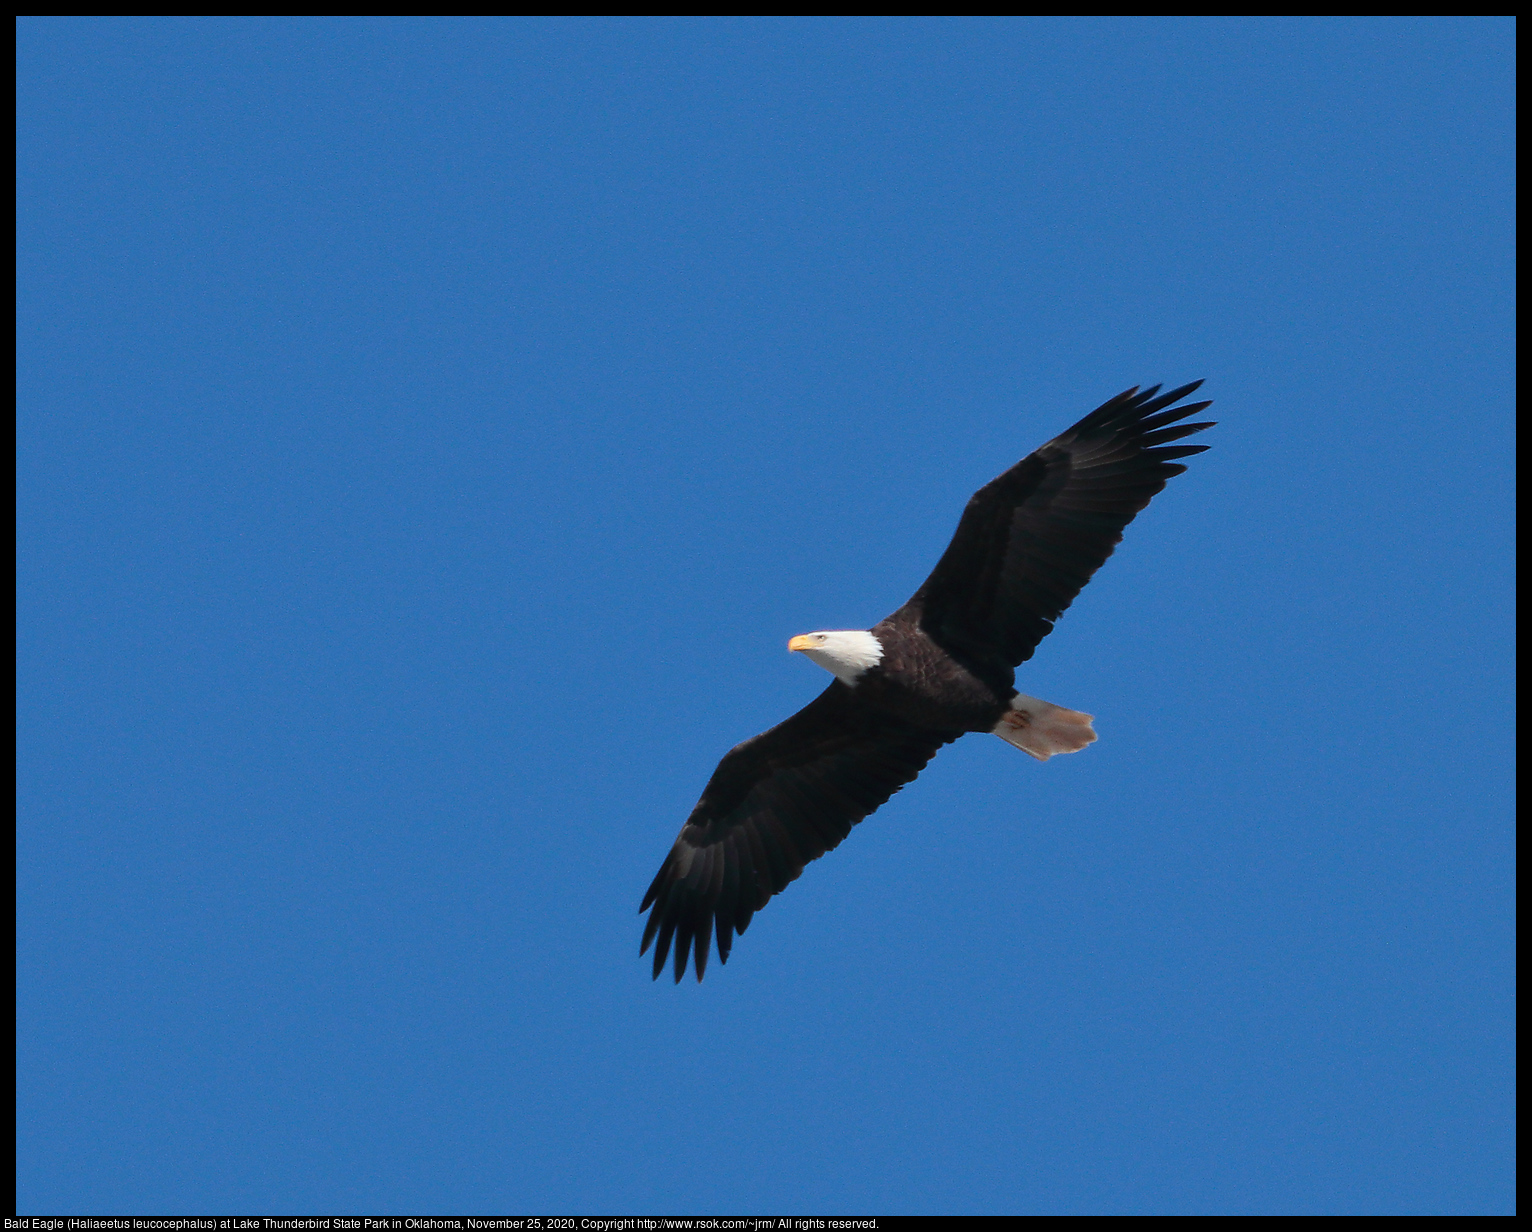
x: 941, y: 666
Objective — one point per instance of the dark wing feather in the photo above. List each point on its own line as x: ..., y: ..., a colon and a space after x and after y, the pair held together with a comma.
x: 776, y: 802
x: 1030, y: 539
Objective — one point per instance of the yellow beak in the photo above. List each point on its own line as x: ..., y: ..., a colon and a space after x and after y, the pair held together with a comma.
x: 802, y: 642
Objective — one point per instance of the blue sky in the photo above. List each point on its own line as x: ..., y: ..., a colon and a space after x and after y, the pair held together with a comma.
x: 433, y: 430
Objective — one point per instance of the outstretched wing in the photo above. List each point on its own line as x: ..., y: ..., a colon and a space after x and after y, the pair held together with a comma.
x: 1030, y: 539
x: 776, y: 802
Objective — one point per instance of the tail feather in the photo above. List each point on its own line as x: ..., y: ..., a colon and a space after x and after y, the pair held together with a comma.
x: 1041, y: 729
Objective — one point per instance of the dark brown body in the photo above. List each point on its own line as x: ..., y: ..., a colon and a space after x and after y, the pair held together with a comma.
x: 927, y: 685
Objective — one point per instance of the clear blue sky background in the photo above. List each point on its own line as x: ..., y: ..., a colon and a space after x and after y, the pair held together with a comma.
x: 433, y: 430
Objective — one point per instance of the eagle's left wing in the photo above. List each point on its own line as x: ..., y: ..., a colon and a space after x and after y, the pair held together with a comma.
x: 776, y: 802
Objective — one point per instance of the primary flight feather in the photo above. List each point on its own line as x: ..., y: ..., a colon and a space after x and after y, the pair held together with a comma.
x: 941, y: 666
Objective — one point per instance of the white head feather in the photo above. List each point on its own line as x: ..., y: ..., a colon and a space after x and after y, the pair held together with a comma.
x: 846, y: 653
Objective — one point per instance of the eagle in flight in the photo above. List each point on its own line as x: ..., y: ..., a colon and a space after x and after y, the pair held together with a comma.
x: 942, y: 665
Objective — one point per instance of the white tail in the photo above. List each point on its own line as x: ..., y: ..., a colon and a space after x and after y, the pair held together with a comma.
x: 1041, y: 729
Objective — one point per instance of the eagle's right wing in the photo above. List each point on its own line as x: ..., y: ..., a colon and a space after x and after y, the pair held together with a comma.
x: 1030, y: 539
x: 776, y: 802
